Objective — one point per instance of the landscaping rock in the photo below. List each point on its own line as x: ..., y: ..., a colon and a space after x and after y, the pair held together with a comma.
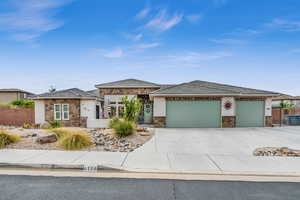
x: 144, y: 134
x: 47, y: 139
x: 276, y: 151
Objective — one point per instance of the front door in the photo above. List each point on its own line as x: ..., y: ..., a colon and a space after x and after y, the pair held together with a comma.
x: 148, y: 113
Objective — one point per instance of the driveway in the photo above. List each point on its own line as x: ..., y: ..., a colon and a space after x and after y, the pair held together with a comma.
x: 237, y: 141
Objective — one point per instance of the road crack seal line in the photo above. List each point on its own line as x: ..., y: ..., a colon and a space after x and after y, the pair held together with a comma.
x: 214, y: 162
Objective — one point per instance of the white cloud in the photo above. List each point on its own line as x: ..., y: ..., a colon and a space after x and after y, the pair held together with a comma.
x: 114, y: 53
x: 134, y: 37
x: 143, y: 13
x: 147, y: 45
x: 194, y: 18
x: 163, y: 21
x: 229, y: 41
x: 284, y: 25
x: 194, y: 57
x: 31, y: 18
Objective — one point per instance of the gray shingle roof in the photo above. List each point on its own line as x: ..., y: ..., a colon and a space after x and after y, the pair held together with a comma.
x: 13, y: 90
x: 209, y: 88
x: 73, y: 93
x: 128, y: 83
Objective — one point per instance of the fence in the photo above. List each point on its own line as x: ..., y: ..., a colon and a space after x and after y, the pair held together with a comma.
x: 16, y: 116
x: 276, y: 114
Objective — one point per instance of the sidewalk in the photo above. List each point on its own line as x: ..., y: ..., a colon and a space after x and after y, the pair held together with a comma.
x: 152, y: 162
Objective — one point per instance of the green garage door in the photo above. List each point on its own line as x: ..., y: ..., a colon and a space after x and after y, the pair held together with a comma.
x: 193, y: 114
x: 250, y: 113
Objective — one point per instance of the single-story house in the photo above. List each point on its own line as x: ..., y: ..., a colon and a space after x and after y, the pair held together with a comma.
x: 197, y: 104
x: 286, y: 99
x: 73, y: 107
x: 12, y: 94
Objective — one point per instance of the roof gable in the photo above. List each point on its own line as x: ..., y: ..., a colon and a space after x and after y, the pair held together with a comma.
x: 129, y: 83
x: 73, y: 93
x: 209, y: 88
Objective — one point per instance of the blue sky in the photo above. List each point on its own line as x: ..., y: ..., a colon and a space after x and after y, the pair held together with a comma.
x: 78, y: 43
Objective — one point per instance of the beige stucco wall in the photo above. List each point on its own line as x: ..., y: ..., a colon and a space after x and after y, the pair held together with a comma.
x: 231, y: 111
x: 7, y: 97
x: 159, y: 107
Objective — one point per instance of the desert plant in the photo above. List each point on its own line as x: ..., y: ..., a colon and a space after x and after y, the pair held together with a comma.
x: 7, y: 138
x: 27, y: 126
x: 113, y: 122
x: 56, y: 124
x: 23, y: 103
x: 132, y: 108
x: 60, y: 132
x: 74, y: 140
x: 124, y: 128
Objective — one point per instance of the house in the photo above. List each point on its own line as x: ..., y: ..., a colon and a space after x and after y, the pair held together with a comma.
x: 287, y: 99
x: 73, y: 107
x: 12, y: 94
x: 196, y: 104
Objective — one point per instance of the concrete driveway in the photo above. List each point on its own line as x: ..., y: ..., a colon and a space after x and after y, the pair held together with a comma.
x: 237, y: 141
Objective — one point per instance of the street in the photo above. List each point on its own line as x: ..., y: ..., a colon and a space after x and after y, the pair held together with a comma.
x: 68, y: 188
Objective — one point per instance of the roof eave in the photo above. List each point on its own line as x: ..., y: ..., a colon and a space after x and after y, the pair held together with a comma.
x: 46, y: 98
x: 124, y: 87
x: 202, y: 95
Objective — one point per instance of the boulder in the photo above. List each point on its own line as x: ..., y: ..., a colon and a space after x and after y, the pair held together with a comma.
x: 144, y: 133
x: 47, y: 139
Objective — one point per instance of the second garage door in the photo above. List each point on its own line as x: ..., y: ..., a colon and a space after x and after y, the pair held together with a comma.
x: 193, y: 114
x: 250, y: 113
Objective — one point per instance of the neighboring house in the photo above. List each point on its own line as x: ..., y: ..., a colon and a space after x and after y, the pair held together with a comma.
x: 73, y: 107
x: 12, y: 94
x: 287, y: 99
x: 197, y: 104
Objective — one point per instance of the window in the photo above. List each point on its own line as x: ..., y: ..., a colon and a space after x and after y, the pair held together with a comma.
x: 65, y: 111
x: 57, y: 111
x: 61, y: 112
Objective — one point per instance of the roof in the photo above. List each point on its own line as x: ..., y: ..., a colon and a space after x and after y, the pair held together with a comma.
x: 128, y: 83
x: 286, y: 97
x: 73, y: 93
x: 14, y: 90
x: 209, y: 88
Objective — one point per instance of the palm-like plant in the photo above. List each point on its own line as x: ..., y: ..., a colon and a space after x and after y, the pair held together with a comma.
x: 132, y: 108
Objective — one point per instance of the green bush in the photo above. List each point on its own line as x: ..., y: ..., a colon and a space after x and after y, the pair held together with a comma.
x: 27, y: 126
x: 23, y: 103
x: 124, y: 128
x: 74, y: 140
x: 113, y: 122
x: 7, y: 138
x: 132, y: 108
x: 56, y: 124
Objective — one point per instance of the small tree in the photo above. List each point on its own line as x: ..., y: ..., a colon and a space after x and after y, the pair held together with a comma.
x: 132, y: 108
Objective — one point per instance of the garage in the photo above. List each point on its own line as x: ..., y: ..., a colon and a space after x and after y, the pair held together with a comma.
x: 193, y: 114
x: 250, y: 113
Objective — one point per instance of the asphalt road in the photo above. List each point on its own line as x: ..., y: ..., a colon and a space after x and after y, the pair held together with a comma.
x: 60, y: 188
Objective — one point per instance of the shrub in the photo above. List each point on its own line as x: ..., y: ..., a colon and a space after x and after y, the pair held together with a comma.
x: 132, y: 108
x: 74, y: 140
x: 27, y: 126
x: 124, y: 128
x: 23, y: 103
x: 7, y: 138
x: 60, y: 132
x: 113, y: 122
x: 56, y: 124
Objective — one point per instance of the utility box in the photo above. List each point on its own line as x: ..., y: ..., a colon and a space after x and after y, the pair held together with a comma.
x: 293, y: 120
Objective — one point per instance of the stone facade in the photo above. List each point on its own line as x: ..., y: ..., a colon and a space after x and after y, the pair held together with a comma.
x: 269, y: 121
x: 125, y: 91
x: 228, y: 121
x: 74, y: 108
x: 159, y: 122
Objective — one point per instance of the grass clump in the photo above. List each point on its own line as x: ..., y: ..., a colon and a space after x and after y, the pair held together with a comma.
x: 56, y: 124
x: 124, y: 128
x: 71, y: 139
x: 113, y: 122
x: 7, y: 138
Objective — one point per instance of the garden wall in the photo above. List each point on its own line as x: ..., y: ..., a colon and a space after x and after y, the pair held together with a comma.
x: 276, y: 113
x: 16, y: 116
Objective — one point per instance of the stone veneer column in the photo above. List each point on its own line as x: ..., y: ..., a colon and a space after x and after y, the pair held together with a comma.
x: 269, y: 121
x: 228, y: 121
x: 159, y: 122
